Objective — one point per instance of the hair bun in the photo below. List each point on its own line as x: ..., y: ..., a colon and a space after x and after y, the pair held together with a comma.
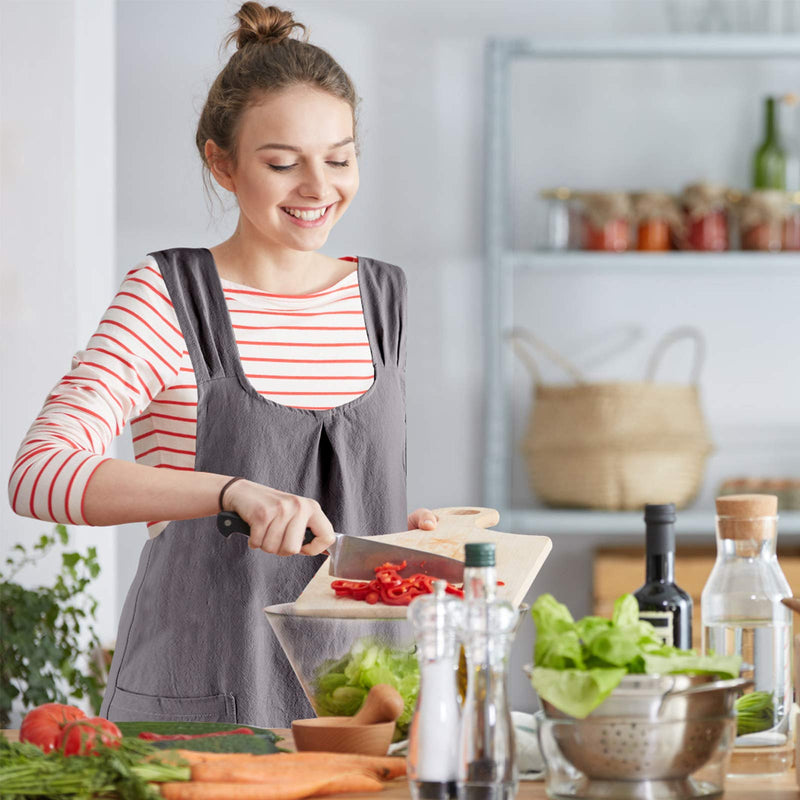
x: 264, y: 24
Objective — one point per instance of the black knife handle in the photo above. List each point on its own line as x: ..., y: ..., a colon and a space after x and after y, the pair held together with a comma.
x: 229, y: 522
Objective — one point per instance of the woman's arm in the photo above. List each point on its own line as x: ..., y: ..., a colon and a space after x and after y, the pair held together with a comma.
x: 122, y: 492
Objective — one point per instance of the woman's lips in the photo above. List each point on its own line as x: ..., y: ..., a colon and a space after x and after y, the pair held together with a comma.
x: 308, y: 223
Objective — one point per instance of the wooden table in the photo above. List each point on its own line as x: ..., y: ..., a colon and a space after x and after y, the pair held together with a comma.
x: 756, y: 788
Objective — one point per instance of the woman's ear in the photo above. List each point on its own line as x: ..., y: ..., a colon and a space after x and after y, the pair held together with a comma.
x: 220, y: 165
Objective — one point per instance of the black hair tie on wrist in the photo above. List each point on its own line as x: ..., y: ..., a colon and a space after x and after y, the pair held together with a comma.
x: 225, y: 489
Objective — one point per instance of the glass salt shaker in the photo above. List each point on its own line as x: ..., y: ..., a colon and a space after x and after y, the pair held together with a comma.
x: 487, y: 763
x: 432, y: 761
x: 743, y: 615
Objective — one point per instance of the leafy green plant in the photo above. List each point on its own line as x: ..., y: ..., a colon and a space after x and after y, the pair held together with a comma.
x: 46, y: 631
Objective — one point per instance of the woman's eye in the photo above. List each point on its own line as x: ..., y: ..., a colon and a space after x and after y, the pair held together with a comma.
x: 281, y: 167
x: 339, y: 163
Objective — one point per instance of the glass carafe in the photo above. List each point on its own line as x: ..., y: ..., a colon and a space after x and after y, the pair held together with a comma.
x: 743, y: 615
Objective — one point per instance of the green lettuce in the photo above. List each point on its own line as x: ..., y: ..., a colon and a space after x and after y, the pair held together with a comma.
x: 340, y: 685
x: 578, y: 664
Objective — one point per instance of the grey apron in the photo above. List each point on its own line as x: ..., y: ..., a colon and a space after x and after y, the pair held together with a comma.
x: 193, y: 641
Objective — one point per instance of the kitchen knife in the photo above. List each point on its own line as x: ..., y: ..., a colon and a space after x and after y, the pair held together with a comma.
x: 355, y: 557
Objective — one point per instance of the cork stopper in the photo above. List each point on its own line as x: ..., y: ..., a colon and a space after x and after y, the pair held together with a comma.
x: 747, y: 516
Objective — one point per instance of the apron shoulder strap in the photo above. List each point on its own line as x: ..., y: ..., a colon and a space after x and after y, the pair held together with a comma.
x: 384, y: 298
x: 196, y: 293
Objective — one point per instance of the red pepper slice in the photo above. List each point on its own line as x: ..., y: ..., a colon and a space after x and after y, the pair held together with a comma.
x: 389, y: 587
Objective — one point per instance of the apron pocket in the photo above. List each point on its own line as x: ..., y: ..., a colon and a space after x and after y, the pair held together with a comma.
x: 133, y: 707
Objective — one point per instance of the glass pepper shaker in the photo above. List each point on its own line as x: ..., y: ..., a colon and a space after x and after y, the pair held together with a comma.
x: 743, y: 615
x: 432, y: 761
x: 487, y: 767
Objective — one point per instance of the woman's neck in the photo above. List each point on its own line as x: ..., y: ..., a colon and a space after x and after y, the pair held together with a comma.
x: 291, y: 272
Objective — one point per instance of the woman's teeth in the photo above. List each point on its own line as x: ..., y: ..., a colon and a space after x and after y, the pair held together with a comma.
x: 309, y: 216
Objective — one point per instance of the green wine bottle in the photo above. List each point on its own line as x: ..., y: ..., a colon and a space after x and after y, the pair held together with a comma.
x: 769, y: 162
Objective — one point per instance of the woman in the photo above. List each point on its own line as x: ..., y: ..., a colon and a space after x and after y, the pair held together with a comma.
x: 259, y: 376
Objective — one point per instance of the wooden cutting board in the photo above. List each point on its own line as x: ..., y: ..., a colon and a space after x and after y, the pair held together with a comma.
x: 518, y: 557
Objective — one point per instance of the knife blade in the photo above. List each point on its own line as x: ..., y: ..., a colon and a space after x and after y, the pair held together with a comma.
x: 355, y: 557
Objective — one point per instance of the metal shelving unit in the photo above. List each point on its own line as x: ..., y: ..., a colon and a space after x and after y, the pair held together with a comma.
x: 502, y: 265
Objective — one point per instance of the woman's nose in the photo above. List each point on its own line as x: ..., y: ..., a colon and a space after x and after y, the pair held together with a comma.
x: 314, y: 182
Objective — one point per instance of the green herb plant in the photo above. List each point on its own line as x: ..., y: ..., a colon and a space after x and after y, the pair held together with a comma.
x: 46, y: 631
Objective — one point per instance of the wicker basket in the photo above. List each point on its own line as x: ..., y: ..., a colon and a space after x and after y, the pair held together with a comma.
x: 615, y: 445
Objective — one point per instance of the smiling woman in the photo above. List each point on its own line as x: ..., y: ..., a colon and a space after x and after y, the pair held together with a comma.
x: 259, y: 376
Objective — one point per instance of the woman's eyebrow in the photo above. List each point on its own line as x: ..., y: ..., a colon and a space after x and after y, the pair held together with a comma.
x: 277, y: 146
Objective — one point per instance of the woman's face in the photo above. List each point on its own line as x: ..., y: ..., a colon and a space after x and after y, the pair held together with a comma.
x: 296, y: 172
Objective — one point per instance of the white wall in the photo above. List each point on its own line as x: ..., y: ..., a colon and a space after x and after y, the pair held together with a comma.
x: 418, y: 65
x: 57, y: 246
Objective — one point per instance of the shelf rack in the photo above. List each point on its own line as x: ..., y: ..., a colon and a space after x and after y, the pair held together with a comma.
x: 502, y: 264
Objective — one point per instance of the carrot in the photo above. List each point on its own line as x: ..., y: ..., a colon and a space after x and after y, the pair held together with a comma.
x: 198, y: 757
x: 248, y: 772
x: 311, y: 786
x: 383, y: 767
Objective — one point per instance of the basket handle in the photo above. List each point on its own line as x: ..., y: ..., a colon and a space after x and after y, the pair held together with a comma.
x: 683, y: 332
x: 520, y: 337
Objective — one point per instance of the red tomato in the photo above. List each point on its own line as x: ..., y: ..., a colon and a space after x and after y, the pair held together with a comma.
x: 81, y: 736
x: 44, y: 725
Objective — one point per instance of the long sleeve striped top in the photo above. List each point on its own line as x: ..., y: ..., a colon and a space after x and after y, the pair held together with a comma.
x: 306, y: 351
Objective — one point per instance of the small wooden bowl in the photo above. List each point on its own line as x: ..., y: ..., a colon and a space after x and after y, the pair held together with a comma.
x: 340, y: 735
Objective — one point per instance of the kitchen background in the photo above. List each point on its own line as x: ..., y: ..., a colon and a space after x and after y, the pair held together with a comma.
x: 98, y: 107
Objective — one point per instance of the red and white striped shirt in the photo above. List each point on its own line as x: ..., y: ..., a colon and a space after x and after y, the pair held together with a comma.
x: 306, y: 351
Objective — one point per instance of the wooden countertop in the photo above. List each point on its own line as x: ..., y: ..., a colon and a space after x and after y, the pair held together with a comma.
x: 755, y: 788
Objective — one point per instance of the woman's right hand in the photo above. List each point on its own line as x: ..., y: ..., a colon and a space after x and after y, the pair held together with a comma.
x: 278, y: 520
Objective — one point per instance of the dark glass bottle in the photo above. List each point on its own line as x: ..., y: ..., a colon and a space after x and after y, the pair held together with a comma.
x: 769, y: 161
x: 661, y: 602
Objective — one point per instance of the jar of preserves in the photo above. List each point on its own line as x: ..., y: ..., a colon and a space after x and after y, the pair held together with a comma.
x: 657, y: 220
x: 762, y: 214
x: 606, y: 221
x: 791, y: 225
x: 705, y: 208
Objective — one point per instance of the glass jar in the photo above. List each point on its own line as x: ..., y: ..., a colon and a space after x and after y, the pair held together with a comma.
x: 657, y: 221
x: 606, y: 221
x: 743, y: 615
x: 791, y: 225
x: 705, y: 208
x: 557, y: 223
x: 762, y: 214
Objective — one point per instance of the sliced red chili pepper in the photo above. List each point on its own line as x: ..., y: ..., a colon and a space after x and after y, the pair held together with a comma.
x: 389, y: 587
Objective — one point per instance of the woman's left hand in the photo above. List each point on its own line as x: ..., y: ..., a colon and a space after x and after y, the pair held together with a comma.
x: 422, y: 518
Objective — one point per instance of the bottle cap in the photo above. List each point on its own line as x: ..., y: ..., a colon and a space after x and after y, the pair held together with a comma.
x: 751, y: 517
x: 747, y: 506
x: 479, y: 554
x: 660, y: 513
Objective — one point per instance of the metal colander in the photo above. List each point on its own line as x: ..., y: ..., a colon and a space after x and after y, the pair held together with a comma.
x: 647, y: 738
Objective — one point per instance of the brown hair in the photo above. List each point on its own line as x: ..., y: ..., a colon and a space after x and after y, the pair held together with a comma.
x: 267, y: 59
